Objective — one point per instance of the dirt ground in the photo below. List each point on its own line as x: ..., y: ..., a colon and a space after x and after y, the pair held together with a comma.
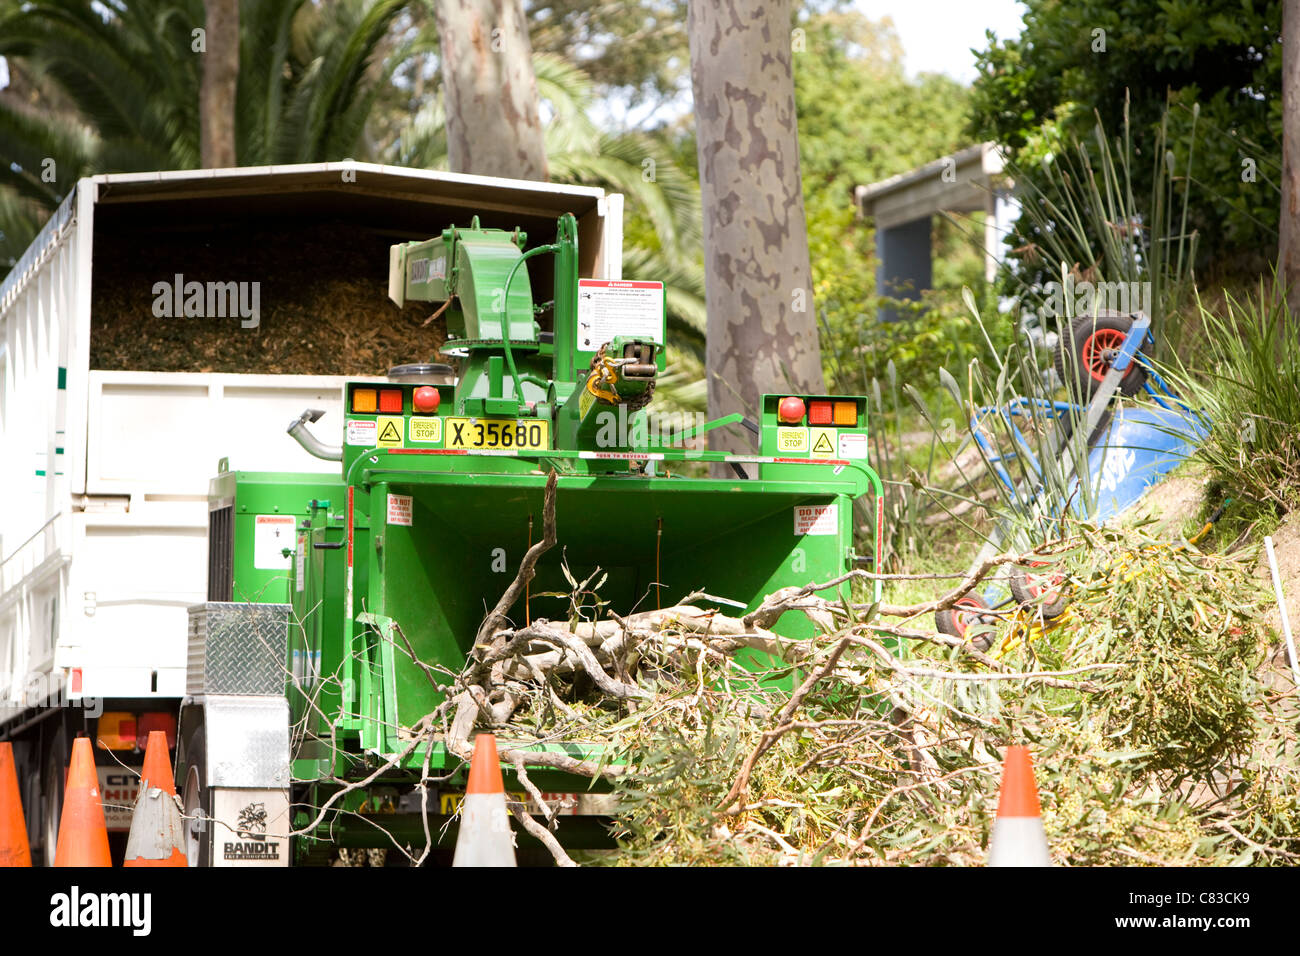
x: 1172, y: 504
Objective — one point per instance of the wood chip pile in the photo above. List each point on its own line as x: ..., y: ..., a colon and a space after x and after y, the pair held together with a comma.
x: 322, y: 301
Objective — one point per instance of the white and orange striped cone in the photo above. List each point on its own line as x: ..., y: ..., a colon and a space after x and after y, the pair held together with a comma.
x: 485, y: 838
x: 157, y: 835
x: 1018, y: 836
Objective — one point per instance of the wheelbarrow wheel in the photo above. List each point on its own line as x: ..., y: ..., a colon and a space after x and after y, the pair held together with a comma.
x: 957, y: 620
x: 1083, y: 359
x: 1040, y: 592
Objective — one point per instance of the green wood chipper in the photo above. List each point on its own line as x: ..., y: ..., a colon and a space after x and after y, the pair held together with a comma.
x: 395, y: 561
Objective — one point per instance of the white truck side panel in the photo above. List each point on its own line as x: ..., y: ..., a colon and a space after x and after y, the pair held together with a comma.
x: 37, y: 306
x: 104, y: 475
x: 158, y: 435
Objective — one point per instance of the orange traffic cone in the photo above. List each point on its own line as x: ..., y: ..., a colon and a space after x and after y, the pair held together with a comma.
x: 157, y: 835
x: 1018, y: 836
x: 485, y: 838
x: 83, y: 837
x: 13, y: 828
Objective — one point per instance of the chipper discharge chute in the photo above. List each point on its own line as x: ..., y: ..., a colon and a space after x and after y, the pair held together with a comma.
x: 394, y: 565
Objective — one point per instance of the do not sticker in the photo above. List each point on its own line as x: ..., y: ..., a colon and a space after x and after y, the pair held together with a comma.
x: 400, y: 511
x: 815, y: 519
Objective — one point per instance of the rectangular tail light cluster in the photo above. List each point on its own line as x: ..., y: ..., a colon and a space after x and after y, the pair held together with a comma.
x: 121, y: 730
x: 822, y: 411
x: 368, y: 401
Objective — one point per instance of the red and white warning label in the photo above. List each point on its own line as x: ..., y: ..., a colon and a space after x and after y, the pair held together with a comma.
x: 853, y: 445
x: 399, y: 510
x: 608, y: 308
x: 815, y: 519
x: 272, y: 536
x: 363, y: 433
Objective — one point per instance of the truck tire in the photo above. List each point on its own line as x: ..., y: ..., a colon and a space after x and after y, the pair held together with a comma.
x: 52, y: 783
x: 196, y: 799
x: 1084, y: 356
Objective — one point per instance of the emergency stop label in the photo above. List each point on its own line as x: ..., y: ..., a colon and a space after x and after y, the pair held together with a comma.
x: 400, y: 510
x: 794, y: 440
x: 272, y: 536
x: 426, y: 430
x: 816, y: 519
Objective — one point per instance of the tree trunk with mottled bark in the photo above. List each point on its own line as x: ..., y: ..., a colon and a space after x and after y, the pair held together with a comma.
x: 1288, y: 259
x: 220, y: 77
x: 489, y: 90
x: 762, y: 331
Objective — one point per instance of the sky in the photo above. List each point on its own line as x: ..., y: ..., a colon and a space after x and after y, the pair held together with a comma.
x: 938, y: 35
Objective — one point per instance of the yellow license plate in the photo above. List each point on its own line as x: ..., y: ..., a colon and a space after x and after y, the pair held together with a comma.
x: 498, y: 434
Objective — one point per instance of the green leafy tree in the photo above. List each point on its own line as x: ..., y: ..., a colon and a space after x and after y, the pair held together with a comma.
x: 638, y: 47
x: 128, y: 75
x: 861, y: 119
x: 1074, y: 63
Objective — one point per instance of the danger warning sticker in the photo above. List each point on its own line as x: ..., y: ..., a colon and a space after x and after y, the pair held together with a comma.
x: 607, y: 308
x: 390, y: 431
x: 853, y: 446
x: 400, y: 510
x: 272, y: 536
x: 815, y: 519
x: 362, y: 433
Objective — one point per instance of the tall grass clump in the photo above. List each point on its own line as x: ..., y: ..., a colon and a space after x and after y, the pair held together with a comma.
x: 1245, y: 378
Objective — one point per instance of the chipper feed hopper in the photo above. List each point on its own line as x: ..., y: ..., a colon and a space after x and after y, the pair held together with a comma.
x: 383, y: 574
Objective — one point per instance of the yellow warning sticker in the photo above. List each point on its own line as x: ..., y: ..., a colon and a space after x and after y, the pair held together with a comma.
x: 426, y: 429
x: 390, y: 431
x: 792, y: 440
x: 823, y: 442
x: 450, y: 803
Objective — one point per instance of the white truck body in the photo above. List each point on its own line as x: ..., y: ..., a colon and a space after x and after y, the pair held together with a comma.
x: 104, y: 474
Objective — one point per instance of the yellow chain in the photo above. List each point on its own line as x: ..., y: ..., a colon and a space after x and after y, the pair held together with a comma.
x: 602, y: 379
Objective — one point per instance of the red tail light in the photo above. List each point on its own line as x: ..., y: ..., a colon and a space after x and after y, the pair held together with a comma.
x: 157, y: 720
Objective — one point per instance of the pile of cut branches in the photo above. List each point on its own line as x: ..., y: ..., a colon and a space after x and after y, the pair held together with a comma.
x: 878, y: 740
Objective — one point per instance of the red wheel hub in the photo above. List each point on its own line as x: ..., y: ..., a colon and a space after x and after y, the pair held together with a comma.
x: 1100, y: 350
x: 1045, y: 586
x: 965, y: 613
